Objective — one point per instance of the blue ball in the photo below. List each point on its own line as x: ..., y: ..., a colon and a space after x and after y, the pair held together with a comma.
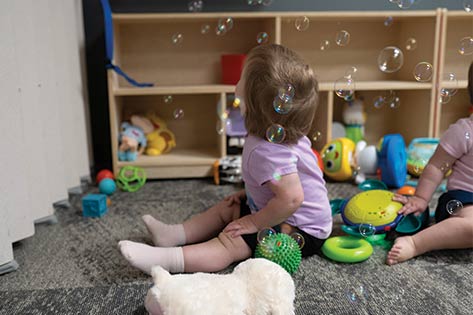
x: 107, y: 186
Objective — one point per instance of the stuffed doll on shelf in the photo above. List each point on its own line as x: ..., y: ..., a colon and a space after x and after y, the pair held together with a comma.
x: 159, y: 138
x: 131, y: 142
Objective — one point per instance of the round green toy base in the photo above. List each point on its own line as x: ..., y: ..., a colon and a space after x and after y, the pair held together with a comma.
x: 347, y: 249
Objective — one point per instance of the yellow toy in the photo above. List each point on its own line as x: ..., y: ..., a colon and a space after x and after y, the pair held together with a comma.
x: 159, y: 138
x: 338, y: 159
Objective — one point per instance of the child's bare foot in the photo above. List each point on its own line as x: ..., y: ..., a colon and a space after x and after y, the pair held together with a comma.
x: 402, y: 250
x: 164, y: 235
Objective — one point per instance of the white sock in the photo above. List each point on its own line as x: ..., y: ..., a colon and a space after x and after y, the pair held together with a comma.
x: 144, y: 257
x: 165, y: 235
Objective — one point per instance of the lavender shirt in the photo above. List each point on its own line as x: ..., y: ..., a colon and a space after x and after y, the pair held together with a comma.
x: 458, y: 142
x: 263, y: 161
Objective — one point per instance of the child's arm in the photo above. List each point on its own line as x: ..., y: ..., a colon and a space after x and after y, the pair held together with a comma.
x: 288, y: 196
x: 431, y: 177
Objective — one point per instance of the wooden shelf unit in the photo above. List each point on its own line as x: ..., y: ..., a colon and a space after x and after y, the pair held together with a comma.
x: 191, y: 73
x: 455, y: 26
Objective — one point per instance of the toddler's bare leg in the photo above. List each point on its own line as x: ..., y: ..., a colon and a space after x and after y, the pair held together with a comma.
x: 201, y: 227
x: 210, y: 223
x: 452, y: 233
x: 215, y: 254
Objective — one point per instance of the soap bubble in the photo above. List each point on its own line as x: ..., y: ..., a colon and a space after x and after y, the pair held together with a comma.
x: 276, y: 176
x: 394, y: 102
x: 267, y: 2
x: 263, y: 233
x: 390, y: 59
x: 411, y: 44
x: 195, y: 6
x: 388, y: 21
x: 388, y: 98
x: 177, y: 38
x: 178, y: 113
x: 468, y: 5
x: 467, y: 135
x: 344, y: 87
x: 379, y: 101
x: 252, y: 2
x: 286, y: 92
x: 302, y: 23
x: 275, y: 133
x: 262, y: 38
x: 454, y: 206
x: 224, y: 25
x: 167, y: 99
x: 351, y: 72
x: 324, y: 44
x: 357, y: 295
x: 444, y: 99
x: 342, y: 38
x: 220, y: 127
x: 317, y: 136
x: 466, y: 46
x: 299, y: 239
x: 452, y: 81
x: 445, y: 167
x: 366, y: 229
x: 281, y: 106
x: 405, y: 4
x: 423, y: 71
x: 204, y: 29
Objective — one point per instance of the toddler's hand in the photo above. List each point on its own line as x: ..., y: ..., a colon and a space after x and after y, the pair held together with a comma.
x: 412, y: 204
x: 241, y: 226
x: 234, y: 199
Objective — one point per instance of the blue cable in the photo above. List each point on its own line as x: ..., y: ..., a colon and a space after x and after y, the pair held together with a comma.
x: 107, y: 15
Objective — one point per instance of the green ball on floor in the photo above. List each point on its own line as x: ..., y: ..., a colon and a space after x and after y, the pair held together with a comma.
x: 281, y: 249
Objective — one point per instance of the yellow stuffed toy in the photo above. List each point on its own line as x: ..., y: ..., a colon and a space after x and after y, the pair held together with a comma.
x: 159, y: 138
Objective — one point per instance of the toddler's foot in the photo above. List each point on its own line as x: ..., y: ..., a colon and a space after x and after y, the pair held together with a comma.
x: 402, y: 250
x: 144, y: 257
x: 164, y: 235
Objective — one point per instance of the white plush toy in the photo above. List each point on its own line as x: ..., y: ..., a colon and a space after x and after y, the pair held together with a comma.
x: 256, y: 287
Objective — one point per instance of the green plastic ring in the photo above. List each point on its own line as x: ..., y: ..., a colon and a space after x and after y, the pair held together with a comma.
x: 347, y: 249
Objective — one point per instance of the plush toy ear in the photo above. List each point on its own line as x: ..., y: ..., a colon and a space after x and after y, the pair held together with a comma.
x: 142, y: 122
x: 160, y: 276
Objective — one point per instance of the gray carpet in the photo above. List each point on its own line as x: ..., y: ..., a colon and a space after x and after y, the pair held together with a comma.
x: 74, y: 267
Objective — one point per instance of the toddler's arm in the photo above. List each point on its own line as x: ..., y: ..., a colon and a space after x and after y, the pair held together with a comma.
x: 431, y: 177
x: 288, y: 196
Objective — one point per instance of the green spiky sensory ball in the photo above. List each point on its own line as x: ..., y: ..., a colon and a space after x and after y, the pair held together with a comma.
x: 281, y: 249
x: 131, y: 178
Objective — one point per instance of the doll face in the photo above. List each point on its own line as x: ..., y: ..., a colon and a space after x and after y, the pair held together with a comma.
x: 240, y: 93
x: 332, y: 157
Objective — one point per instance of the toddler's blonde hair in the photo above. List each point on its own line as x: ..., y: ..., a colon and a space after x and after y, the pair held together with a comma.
x: 268, y: 68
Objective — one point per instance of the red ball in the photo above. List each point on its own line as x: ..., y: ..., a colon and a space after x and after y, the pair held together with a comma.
x: 102, y: 175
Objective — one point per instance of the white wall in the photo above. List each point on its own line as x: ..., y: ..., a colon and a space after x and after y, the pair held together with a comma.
x: 43, y: 143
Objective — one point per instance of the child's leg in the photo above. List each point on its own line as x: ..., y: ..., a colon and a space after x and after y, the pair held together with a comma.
x: 199, y: 228
x: 452, y: 233
x: 213, y: 255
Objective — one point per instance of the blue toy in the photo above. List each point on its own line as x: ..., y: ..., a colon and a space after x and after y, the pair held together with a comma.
x: 107, y: 186
x: 132, y: 141
x: 392, y: 160
x: 94, y: 205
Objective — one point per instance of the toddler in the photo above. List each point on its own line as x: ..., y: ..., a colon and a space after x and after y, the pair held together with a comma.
x: 284, y: 187
x: 454, y: 227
